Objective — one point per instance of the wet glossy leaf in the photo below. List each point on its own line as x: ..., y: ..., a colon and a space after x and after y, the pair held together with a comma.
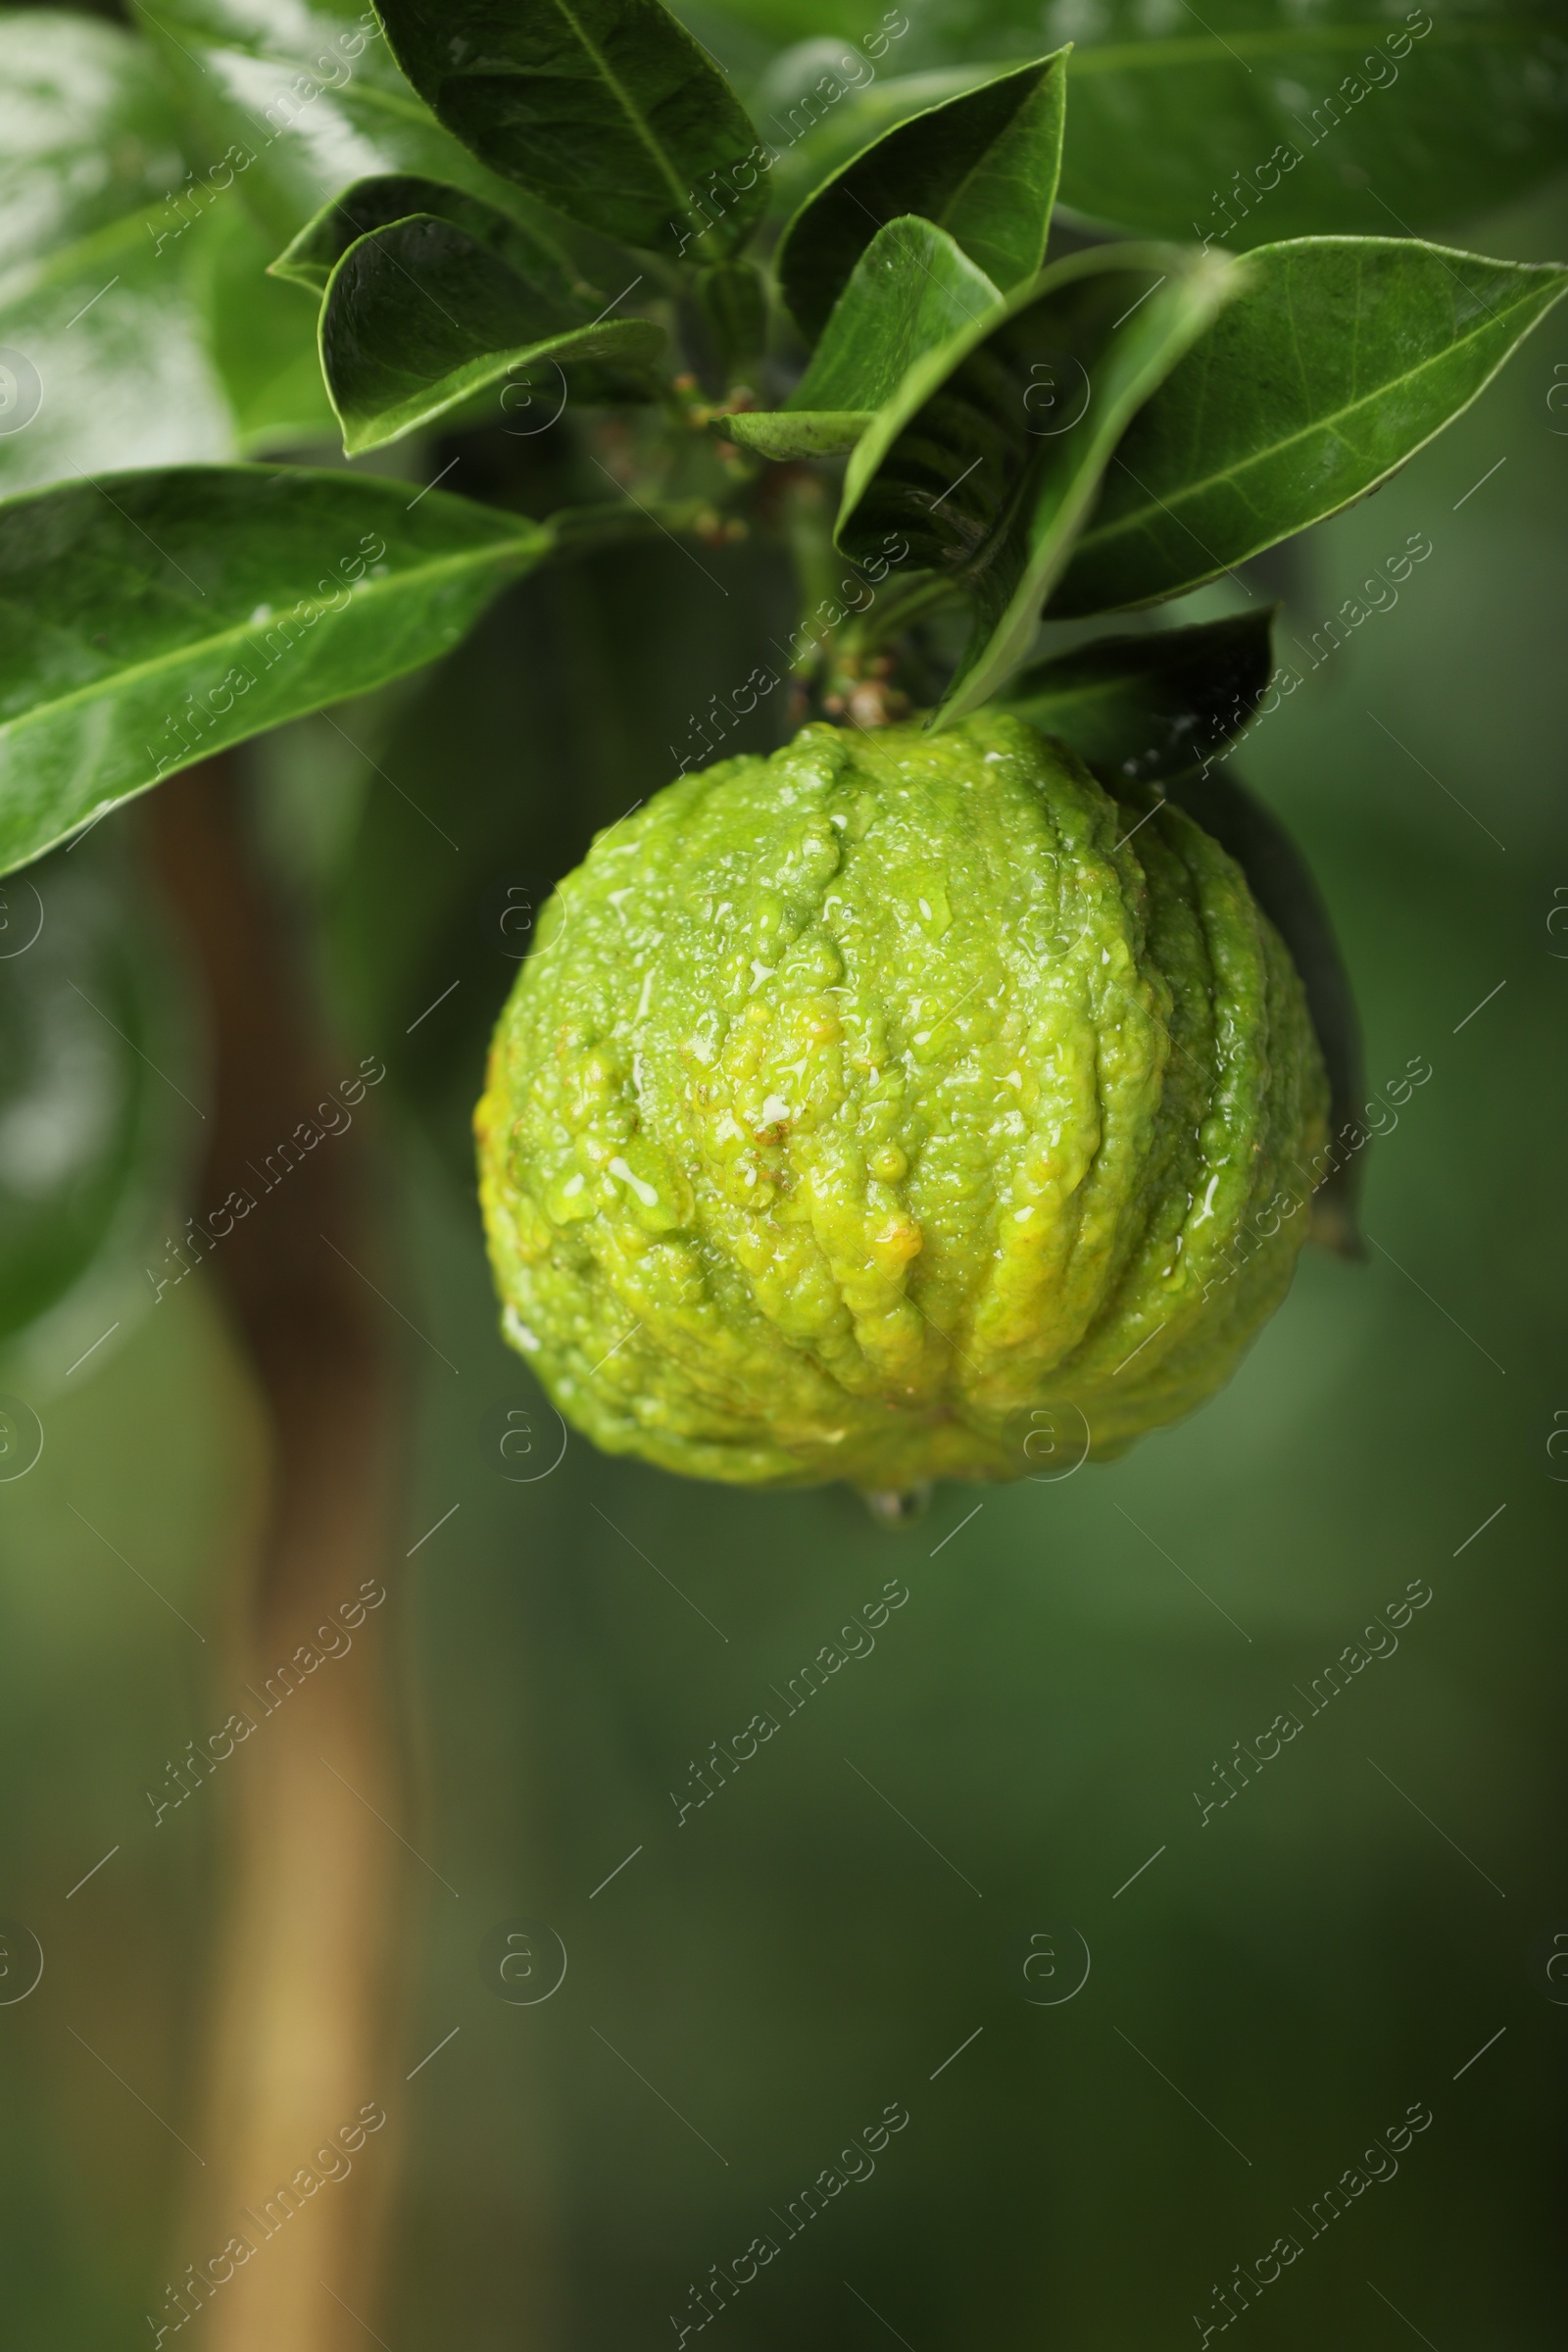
x: 289, y: 105
x: 911, y: 289
x: 982, y: 166
x: 131, y: 352
x: 1339, y: 359
x: 137, y: 323
x: 1143, y: 708
x: 990, y: 456
x: 107, y: 362
x: 607, y: 109
x: 152, y: 618
x: 419, y: 317
x: 88, y: 132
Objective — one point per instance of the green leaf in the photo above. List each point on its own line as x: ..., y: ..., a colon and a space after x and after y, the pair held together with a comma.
x: 781, y: 434
x: 152, y: 618
x: 1265, y: 121
x: 96, y: 1103
x: 1142, y: 709
x: 292, y: 103
x: 607, y: 109
x: 990, y: 456
x: 107, y: 360
x: 140, y: 327
x: 258, y: 337
x: 419, y: 317
x: 732, y: 299
x: 90, y: 159
x: 86, y: 130
x: 1341, y: 359
x: 911, y: 289
x: 1282, y: 119
x: 820, y: 134
x: 151, y: 342
x: 982, y: 166
x: 375, y: 203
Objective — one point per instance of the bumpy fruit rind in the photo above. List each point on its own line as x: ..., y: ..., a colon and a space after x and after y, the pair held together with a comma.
x: 897, y: 1108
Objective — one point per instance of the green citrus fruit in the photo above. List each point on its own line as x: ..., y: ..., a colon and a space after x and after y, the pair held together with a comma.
x: 897, y: 1108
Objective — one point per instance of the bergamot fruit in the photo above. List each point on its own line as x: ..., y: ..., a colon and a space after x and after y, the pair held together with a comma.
x: 871, y: 1110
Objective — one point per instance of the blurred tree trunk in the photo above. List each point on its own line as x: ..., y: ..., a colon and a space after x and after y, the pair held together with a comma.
x: 305, y: 1987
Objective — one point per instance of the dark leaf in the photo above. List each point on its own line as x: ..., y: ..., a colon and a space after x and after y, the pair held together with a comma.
x: 375, y: 203
x: 816, y: 141
x: 990, y: 456
x: 579, y: 694
x: 733, y: 302
x: 419, y: 317
x: 152, y: 618
x: 1339, y: 359
x: 1143, y: 708
x: 607, y: 109
x: 291, y: 103
x: 982, y: 166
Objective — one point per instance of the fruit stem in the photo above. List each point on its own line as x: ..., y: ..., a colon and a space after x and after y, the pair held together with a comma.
x: 580, y: 529
x: 891, y: 617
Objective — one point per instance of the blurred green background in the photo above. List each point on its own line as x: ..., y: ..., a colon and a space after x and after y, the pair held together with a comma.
x: 1269, y: 1989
